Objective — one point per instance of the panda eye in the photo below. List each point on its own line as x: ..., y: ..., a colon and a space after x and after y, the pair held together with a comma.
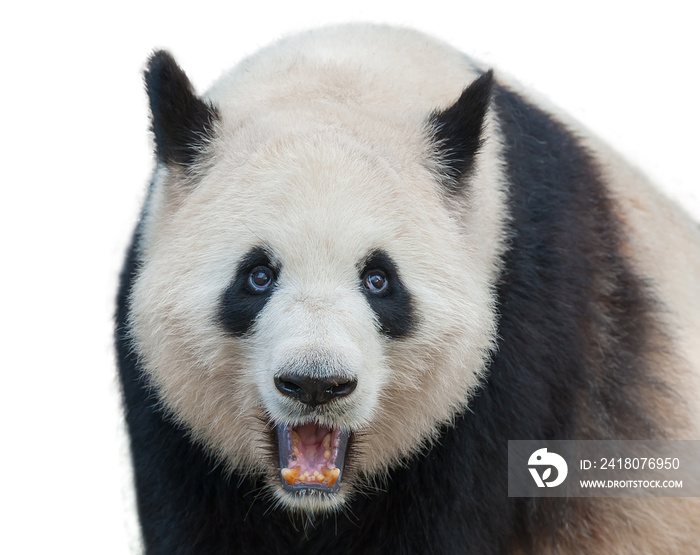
x: 261, y: 279
x: 375, y: 281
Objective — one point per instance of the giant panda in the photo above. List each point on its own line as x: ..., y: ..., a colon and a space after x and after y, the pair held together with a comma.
x: 365, y: 262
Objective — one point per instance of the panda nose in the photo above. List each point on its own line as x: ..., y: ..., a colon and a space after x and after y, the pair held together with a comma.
x: 314, y: 391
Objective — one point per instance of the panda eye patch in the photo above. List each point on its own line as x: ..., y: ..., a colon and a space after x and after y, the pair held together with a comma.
x: 386, y: 294
x: 246, y: 295
x: 375, y: 281
x: 260, y: 279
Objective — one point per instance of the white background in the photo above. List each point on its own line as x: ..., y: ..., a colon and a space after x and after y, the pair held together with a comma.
x: 76, y: 157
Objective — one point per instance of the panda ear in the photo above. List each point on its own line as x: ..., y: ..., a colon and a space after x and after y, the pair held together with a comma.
x: 459, y: 129
x: 182, y: 122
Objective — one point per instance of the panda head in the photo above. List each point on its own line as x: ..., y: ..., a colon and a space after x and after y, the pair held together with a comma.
x: 315, y: 292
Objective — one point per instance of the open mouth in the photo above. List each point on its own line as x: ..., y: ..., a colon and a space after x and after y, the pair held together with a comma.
x: 311, y: 457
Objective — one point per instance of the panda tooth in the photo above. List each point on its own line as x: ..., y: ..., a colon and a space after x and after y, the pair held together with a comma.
x: 327, y: 441
x: 290, y: 475
x: 327, y: 454
x: 332, y: 476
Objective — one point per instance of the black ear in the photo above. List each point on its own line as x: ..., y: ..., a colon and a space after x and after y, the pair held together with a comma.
x: 458, y: 129
x: 182, y: 122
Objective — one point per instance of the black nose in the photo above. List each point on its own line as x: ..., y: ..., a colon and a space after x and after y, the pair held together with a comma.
x: 314, y: 391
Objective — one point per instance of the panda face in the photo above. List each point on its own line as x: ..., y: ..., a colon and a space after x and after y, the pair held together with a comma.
x: 309, y: 306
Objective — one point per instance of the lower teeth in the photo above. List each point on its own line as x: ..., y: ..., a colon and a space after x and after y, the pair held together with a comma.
x: 326, y: 476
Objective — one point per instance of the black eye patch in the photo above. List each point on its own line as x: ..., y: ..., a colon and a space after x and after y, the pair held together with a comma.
x: 249, y: 291
x: 387, y: 295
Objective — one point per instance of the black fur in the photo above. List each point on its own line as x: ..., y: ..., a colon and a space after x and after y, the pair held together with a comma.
x: 240, y: 304
x: 459, y: 129
x: 182, y: 122
x: 393, y: 306
x: 565, y: 286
